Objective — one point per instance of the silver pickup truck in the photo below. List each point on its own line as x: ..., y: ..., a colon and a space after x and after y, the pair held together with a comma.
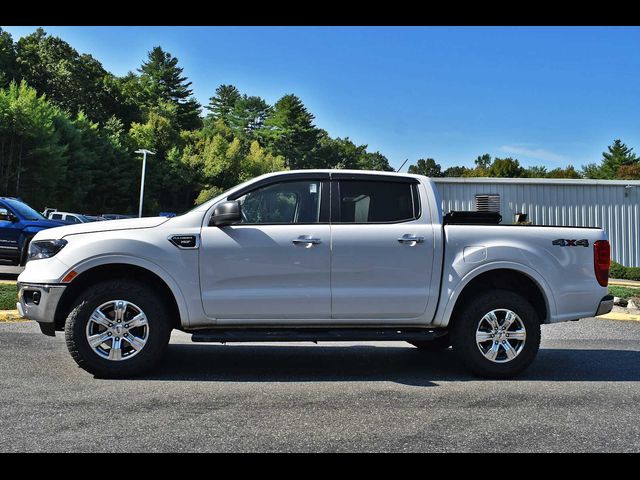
x: 314, y: 255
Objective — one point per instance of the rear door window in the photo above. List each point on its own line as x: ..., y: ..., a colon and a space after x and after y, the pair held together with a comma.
x: 375, y: 202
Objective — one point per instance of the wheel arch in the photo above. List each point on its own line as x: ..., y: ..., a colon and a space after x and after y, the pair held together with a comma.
x: 97, y: 272
x: 504, y: 275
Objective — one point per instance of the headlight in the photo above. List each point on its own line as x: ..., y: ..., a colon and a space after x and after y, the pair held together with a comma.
x: 45, y: 248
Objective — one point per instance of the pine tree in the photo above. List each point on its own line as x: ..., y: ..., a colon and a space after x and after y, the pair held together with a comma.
x: 289, y: 131
x: 249, y: 115
x: 162, y: 80
x: 223, y: 102
x: 617, y: 155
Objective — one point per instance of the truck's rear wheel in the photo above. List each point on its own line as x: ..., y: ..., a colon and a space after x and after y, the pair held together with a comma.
x: 117, y: 329
x: 497, y: 335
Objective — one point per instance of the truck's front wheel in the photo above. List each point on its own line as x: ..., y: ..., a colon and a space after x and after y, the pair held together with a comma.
x: 497, y: 334
x: 117, y: 329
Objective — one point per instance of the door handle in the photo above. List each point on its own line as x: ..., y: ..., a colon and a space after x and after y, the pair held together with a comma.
x: 408, y: 238
x: 306, y: 240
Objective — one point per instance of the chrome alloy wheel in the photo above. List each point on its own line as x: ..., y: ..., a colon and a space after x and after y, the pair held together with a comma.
x: 117, y: 330
x: 501, y: 335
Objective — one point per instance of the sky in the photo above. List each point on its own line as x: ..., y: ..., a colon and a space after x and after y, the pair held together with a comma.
x: 545, y: 95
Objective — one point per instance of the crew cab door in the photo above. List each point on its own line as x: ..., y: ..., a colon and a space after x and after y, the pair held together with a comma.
x: 10, y: 231
x: 382, y: 248
x: 274, y: 264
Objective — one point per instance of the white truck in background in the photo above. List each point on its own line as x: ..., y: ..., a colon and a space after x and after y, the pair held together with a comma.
x: 314, y: 255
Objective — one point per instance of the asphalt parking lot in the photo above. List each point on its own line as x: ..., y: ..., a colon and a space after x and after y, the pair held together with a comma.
x: 582, y: 394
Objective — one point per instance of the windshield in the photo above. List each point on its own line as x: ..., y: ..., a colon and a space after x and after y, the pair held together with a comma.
x: 23, y: 210
x: 207, y: 204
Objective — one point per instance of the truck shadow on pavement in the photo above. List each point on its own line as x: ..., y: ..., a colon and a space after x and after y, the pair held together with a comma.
x: 408, y: 366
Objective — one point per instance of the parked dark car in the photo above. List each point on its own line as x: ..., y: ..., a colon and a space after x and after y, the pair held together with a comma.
x: 18, y: 224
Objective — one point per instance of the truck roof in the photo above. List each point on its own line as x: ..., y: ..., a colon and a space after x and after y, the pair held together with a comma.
x: 343, y: 171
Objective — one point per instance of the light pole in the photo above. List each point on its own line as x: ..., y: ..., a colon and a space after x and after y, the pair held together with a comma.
x: 144, y: 167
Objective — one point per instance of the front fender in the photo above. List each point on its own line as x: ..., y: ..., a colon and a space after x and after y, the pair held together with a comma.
x: 173, y: 285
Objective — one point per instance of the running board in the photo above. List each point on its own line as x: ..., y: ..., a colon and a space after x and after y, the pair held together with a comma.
x: 316, y: 335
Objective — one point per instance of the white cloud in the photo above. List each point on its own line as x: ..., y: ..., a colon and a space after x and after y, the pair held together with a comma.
x: 534, y: 153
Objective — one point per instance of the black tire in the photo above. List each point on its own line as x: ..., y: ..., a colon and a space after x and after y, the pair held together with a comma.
x: 159, y: 328
x: 463, y: 334
x: 436, y: 345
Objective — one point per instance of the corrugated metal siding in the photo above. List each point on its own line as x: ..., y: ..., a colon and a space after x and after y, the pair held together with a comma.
x: 588, y: 205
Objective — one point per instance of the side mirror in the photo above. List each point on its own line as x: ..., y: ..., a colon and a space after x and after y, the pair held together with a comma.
x: 226, y: 213
x: 7, y: 216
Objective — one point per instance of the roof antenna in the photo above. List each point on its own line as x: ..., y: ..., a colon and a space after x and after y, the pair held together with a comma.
x: 402, y: 165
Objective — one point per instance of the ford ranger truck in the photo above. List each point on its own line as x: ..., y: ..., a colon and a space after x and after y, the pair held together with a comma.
x: 314, y: 255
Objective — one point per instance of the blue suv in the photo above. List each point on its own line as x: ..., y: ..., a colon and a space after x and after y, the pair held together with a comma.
x: 18, y: 224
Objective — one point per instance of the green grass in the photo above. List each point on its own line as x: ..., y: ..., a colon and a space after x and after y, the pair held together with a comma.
x: 8, y: 296
x: 624, y: 292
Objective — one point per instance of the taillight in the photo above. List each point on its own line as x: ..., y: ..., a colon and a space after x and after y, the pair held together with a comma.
x: 602, y: 261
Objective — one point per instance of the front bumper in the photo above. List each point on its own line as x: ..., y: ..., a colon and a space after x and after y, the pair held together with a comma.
x: 606, y: 305
x: 37, y: 301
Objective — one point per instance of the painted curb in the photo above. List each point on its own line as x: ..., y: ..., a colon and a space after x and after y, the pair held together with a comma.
x: 11, y: 316
x: 623, y: 283
x: 627, y: 317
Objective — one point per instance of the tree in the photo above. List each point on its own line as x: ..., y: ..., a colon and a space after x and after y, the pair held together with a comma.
x: 162, y: 81
x: 505, y: 167
x: 8, y: 67
x: 483, y: 161
x: 248, y: 115
x: 481, y: 169
x: 568, y: 172
x: 223, y: 102
x: 374, y: 161
x: 593, y: 170
x: 72, y: 81
x: 258, y: 162
x: 455, y: 171
x: 629, y: 172
x: 427, y: 167
x: 289, y: 131
x: 29, y: 144
x: 617, y: 155
x: 535, y: 171
x: 161, y: 134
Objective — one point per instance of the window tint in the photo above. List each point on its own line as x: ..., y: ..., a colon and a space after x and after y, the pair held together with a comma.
x: 375, y: 202
x: 56, y: 216
x: 285, y: 202
x: 24, y: 210
x: 72, y: 219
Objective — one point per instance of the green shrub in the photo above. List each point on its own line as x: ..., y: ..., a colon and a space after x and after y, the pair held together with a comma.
x: 623, y: 273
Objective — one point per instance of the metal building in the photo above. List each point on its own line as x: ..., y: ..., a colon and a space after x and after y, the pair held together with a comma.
x: 610, y: 204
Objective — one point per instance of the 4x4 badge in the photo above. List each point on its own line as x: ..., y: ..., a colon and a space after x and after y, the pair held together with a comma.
x: 561, y: 242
